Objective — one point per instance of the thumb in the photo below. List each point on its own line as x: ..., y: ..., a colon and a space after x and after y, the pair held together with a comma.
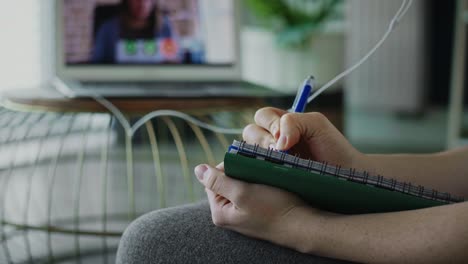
x: 294, y: 126
x: 216, y: 181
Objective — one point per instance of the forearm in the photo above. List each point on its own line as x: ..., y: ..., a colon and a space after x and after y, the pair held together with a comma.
x: 432, y: 235
x: 446, y: 171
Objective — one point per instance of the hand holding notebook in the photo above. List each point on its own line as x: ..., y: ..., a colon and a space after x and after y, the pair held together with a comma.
x: 312, y: 135
x: 249, y: 208
x: 256, y: 209
x: 266, y: 207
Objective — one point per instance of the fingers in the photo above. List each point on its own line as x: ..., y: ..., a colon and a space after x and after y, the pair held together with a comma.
x: 220, y: 166
x: 219, y: 207
x: 295, y: 126
x: 224, y: 194
x: 214, y: 208
x: 254, y: 134
x: 216, y: 181
x: 269, y: 119
x: 284, y: 129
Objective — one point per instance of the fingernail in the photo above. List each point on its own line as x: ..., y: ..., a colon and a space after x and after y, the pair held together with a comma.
x: 281, y: 144
x: 272, y: 146
x: 200, y: 171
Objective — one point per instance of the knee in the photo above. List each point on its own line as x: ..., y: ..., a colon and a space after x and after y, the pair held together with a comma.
x: 156, y: 237
x: 133, y: 243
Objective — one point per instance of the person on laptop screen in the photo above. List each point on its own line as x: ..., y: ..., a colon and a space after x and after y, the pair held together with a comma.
x: 143, y: 32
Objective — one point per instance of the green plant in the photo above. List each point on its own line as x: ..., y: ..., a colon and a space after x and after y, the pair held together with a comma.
x: 294, y: 21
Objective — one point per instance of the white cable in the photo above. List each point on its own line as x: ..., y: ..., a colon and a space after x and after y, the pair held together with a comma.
x: 186, y: 117
x: 396, y: 19
x: 404, y: 11
x: 117, y: 113
x: 400, y: 11
x: 130, y: 130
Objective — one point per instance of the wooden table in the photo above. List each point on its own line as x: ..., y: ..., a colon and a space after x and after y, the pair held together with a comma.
x: 50, y: 100
x: 53, y: 101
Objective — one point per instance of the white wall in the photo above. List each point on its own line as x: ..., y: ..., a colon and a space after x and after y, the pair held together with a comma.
x: 394, y: 78
x: 25, y: 59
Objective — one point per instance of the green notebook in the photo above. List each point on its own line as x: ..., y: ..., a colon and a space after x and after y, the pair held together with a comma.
x: 327, y: 187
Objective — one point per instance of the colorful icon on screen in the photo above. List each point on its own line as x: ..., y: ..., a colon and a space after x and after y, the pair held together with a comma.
x: 168, y: 48
x: 150, y: 47
x: 130, y: 47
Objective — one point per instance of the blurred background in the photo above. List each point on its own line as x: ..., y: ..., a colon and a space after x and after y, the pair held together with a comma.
x: 71, y: 182
x: 398, y: 101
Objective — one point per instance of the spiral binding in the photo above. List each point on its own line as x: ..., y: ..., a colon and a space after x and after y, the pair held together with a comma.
x: 366, y: 177
x: 324, y: 168
x: 352, y: 174
x: 296, y: 162
x: 337, y: 171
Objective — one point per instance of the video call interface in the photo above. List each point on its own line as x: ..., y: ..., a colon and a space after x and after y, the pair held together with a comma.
x: 149, y: 32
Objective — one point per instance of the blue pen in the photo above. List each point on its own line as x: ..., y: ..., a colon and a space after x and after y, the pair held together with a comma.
x: 303, y: 94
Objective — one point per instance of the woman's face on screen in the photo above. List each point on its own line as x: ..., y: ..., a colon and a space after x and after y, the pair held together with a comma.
x: 140, y: 9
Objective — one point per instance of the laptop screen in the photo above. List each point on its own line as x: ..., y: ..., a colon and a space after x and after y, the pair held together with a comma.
x: 148, y: 32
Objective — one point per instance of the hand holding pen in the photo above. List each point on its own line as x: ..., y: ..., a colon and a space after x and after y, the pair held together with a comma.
x: 300, y: 102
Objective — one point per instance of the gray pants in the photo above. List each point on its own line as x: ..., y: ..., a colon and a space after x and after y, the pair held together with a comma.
x: 187, y: 235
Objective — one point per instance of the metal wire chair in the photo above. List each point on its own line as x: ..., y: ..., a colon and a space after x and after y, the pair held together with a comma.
x: 71, y: 182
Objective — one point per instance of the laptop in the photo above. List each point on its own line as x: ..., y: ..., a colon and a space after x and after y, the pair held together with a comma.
x: 160, y: 48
